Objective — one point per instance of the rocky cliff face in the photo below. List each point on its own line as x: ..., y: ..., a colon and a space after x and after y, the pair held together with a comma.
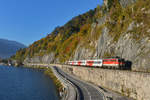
x: 137, y: 52
x: 44, y: 59
x: 121, y: 31
x: 125, y: 3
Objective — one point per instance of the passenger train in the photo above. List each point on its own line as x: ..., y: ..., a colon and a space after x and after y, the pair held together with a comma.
x: 116, y: 63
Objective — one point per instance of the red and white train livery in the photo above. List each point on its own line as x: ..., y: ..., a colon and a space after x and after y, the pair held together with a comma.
x: 109, y: 62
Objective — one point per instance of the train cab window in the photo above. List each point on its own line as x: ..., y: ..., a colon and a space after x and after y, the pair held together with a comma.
x: 120, y: 59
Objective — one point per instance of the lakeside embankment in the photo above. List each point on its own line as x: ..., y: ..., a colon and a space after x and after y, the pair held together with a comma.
x: 48, y: 71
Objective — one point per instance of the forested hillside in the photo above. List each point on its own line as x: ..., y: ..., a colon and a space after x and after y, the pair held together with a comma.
x: 117, y: 28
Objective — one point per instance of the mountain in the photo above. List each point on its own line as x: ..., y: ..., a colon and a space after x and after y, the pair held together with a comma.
x: 117, y: 28
x: 9, y: 48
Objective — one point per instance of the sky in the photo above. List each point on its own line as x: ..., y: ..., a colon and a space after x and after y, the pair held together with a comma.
x: 27, y: 21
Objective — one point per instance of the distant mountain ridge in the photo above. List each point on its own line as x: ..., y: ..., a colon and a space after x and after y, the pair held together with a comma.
x: 9, y: 47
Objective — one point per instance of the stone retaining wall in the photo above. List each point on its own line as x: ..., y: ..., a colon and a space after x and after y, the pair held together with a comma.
x: 133, y: 84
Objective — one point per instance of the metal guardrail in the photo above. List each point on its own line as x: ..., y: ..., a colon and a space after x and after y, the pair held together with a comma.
x: 66, y: 83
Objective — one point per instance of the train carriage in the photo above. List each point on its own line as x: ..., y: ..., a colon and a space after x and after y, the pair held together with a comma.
x: 105, y: 63
x: 94, y: 63
x: 82, y: 63
x: 98, y: 63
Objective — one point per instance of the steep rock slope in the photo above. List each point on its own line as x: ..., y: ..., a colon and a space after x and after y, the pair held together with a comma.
x: 9, y: 48
x: 118, y: 28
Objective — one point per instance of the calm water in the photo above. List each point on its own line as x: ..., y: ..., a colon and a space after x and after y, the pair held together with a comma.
x: 25, y: 84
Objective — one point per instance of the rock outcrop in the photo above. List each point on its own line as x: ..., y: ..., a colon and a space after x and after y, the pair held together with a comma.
x: 125, y: 3
x: 137, y: 52
x: 47, y: 59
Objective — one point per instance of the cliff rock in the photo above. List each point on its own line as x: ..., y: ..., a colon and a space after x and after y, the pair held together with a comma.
x: 118, y: 28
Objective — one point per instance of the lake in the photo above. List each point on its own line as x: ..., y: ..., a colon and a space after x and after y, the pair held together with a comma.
x: 25, y: 84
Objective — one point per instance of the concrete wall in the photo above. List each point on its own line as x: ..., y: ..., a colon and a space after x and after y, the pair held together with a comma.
x: 133, y: 84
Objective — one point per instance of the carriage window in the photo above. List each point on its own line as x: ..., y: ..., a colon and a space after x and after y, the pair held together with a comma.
x: 98, y: 62
x: 89, y: 61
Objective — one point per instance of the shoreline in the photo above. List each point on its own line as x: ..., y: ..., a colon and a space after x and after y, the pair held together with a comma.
x: 48, y: 71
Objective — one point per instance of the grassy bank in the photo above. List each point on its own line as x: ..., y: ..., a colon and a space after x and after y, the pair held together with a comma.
x: 58, y: 84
